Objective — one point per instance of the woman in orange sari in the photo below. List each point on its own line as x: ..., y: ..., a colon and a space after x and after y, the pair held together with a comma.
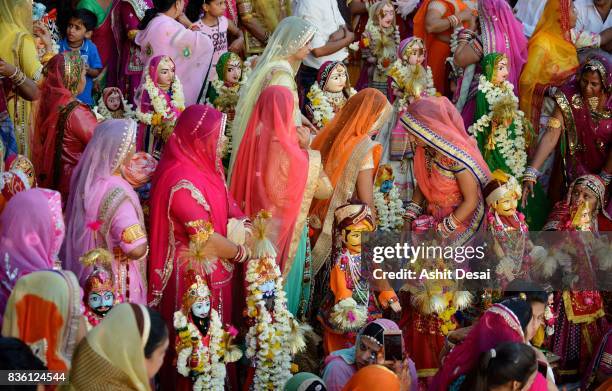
x: 350, y: 159
x: 552, y: 57
x: 434, y: 23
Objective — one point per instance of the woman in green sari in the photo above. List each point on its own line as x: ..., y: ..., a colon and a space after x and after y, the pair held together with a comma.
x: 502, y: 132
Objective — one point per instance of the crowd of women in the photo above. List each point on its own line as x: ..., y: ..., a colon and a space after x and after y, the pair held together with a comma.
x: 184, y: 186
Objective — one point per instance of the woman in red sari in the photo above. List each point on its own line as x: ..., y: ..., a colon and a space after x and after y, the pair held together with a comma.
x: 64, y: 125
x: 191, y: 207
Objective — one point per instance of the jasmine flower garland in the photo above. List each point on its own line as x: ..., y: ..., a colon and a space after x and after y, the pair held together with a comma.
x: 389, y: 210
x: 511, y: 148
x: 405, y: 74
x: 323, y: 111
x: 159, y: 103
x: 105, y: 113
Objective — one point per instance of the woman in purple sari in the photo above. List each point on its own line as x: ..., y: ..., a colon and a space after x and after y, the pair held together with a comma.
x: 498, y: 31
x: 581, y: 127
x: 161, y: 34
x: 104, y: 211
x: 125, y: 20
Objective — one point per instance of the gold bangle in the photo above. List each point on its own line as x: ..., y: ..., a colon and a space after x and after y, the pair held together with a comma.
x: 554, y: 123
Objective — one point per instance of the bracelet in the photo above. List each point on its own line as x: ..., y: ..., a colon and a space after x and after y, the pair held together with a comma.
x: 554, y: 123
x: 242, y: 255
x: 18, y: 78
x: 531, y: 174
x: 455, y: 221
x: 412, y: 211
x: 607, y: 178
x: 14, y: 73
x: 453, y: 20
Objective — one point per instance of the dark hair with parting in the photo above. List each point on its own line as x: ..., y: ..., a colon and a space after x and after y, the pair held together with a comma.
x: 158, y: 333
x: 159, y: 6
x: 89, y: 19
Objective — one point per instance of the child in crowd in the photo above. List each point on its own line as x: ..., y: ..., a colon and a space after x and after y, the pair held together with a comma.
x: 208, y: 17
x: 79, y: 30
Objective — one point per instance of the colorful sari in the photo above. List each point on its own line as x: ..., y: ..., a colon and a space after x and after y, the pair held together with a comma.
x: 272, y: 68
x: 345, y: 143
x: 273, y: 173
x: 103, y: 211
x: 64, y: 125
x: 125, y: 19
x: 18, y: 48
x: 500, y: 32
x: 111, y: 357
x: 437, y: 123
x: 190, y: 50
x: 584, y: 146
x: 437, y: 49
x: 44, y: 311
x: 104, y: 40
x: 188, y: 193
x: 552, y: 59
x: 32, y: 244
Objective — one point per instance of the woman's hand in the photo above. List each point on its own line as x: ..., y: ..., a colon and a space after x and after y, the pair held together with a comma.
x: 402, y: 370
x: 6, y: 69
x: 303, y: 137
x: 237, y: 46
x: 527, y: 191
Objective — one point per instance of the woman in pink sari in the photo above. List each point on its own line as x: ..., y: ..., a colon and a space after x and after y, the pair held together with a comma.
x: 32, y: 243
x: 103, y: 36
x: 103, y: 211
x: 190, y: 205
x: 508, y: 321
x: 126, y: 17
x: 161, y: 34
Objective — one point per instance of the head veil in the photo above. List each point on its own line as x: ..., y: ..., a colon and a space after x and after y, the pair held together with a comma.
x: 291, y: 34
x: 344, y: 143
x: 104, y: 155
x: 552, y: 58
x: 112, y: 354
x: 272, y: 170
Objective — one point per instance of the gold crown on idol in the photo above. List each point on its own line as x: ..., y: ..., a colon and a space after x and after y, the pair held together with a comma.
x: 500, y: 186
x: 356, y: 212
x: 100, y: 279
x: 196, y: 292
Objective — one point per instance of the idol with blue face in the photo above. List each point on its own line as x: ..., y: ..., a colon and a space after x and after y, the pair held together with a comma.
x: 386, y: 186
x: 201, y: 309
x: 101, y: 302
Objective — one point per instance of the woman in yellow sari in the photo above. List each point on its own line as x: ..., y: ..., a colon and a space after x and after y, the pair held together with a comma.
x: 552, y: 57
x: 17, y: 47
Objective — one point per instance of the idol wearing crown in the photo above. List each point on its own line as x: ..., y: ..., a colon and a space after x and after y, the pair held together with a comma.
x: 274, y: 336
x: 410, y: 77
x: 351, y: 302
x: 203, y: 346
x: 99, y: 290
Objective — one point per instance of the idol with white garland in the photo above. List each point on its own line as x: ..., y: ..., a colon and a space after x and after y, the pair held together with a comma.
x: 112, y: 105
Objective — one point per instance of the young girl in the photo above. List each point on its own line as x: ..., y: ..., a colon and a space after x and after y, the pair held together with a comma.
x: 208, y: 17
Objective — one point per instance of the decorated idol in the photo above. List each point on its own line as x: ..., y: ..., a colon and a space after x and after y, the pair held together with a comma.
x: 329, y: 94
x: 112, y: 105
x: 274, y: 336
x: 410, y: 76
x: 160, y: 102
x: 351, y: 302
x: 379, y: 44
x: 203, y: 345
x: 99, y: 290
x: 18, y: 177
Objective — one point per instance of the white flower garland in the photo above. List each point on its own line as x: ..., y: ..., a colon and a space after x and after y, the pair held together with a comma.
x: 390, y: 210
x: 268, y: 339
x: 403, y: 73
x: 158, y: 101
x: 511, y: 149
x: 212, y: 375
x: 322, y: 109
x: 375, y: 36
x: 105, y: 113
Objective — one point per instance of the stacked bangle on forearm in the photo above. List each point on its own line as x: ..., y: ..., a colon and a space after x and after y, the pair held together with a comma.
x: 531, y: 174
x: 18, y: 77
x: 413, y: 211
x: 242, y: 255
x: 453, y: 20
x: 448, y: 225
x: 607, y: 178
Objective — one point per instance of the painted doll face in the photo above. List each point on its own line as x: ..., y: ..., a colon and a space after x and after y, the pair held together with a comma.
x: 337, y: 79
x: 506, y: 206
x: 583, y: 204
x: 387, y: 14
x: 201, y: 308
x: 113, y: 103
x: 352, y: 236
x: 165, y: 73
x: 417, y: 55
x: 101, y: 302
x: 233, y: 72
x: 501, y: 72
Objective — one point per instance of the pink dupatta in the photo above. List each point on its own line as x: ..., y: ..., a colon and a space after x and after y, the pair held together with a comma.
x: 29, y: 244
x: 271, y: 169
